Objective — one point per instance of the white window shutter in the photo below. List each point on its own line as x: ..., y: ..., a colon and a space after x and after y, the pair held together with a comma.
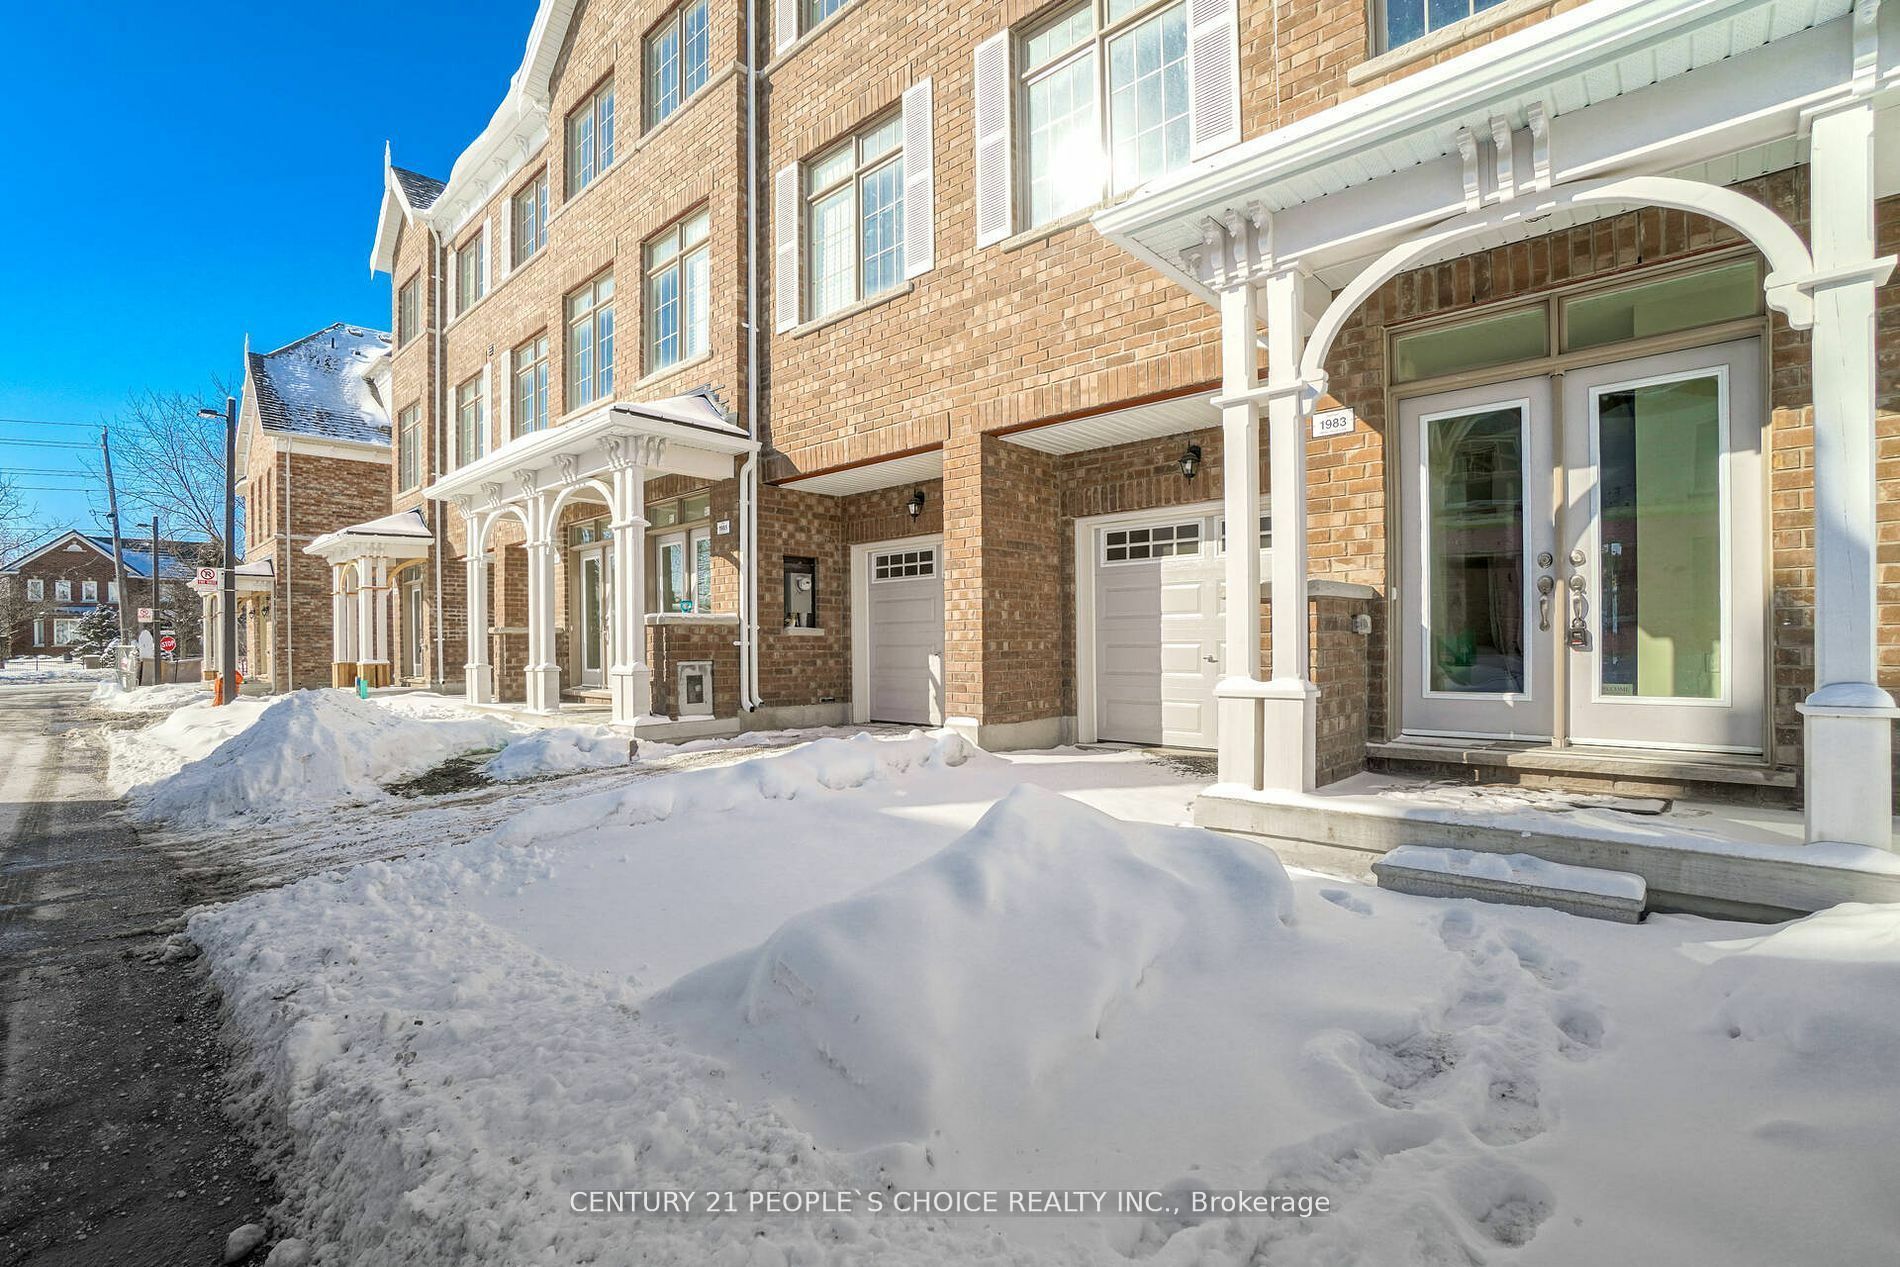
x: 501, y: 403
x: 785, y: 246
x: 785, y: 23
x: 488, y: 409
x: 1213, y: 75
x: 920, y: 183
x: 995, y: 163
x: 488, y: 254
x: 507, y: 256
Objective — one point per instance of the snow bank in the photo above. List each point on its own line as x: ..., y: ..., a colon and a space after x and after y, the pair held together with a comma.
x: 165, y: 698
x: 836, y: 764
x: 1825, y: 989
x: 295, y: 752
x: 974, y: 977
x: 26, y: 672
x: 560, y: 750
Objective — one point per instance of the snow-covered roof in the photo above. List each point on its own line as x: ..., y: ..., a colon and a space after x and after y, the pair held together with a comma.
x: 404, y: 534
x: 420, y: 191
x: 177, y: 559
x: 319, y: 385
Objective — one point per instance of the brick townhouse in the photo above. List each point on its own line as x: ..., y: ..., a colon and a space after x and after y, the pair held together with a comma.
x: 878, y: 366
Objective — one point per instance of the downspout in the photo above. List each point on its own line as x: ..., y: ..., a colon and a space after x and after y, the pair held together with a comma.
x: 749, y: 473
x: 437, y: 522
x: 290, y: 565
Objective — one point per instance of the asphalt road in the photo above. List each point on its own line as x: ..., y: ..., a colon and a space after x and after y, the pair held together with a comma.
x: 114, y: 1148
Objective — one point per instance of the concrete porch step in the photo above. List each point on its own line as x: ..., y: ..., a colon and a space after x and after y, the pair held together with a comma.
x: 1514, y: 879
x: 1635, y: 771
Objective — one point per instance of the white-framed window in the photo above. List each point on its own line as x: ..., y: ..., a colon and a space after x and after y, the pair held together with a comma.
x: 817, y: 11
x: 590, y: 342
x: 678, y: 59
x: 590, y: 139
x: 854, y: 198
x: 1104, y: 95
x: 471, y: 421
x: 679, y: 289
x: 903, y: 565
x: 409, y: 446
x: 530, y: 373
x: 65, y: 633
x: 89, y: 591
x: 471, y: 272
x: 112, y: 591
x: 409, y: 311
x: 1266, y: 532
x: 35, y: 590
x: 1157, y: 541
x: 683, y: 566
x: 528, y: 221
x: 62, y: 591
x: 1399, y: 22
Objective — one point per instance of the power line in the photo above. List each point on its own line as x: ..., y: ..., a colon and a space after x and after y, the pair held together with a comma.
x: 51, y: 444
x: 48, y: 422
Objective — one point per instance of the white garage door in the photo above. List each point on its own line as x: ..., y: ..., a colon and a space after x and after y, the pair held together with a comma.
x: 1157, y: 631
x: 905, y: 627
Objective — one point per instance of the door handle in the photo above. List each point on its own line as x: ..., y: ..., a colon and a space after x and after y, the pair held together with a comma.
x: 1211, y: 659
x: 1545, y: 584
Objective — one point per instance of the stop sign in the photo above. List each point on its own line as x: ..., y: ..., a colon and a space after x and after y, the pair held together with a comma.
x: 168, y: 644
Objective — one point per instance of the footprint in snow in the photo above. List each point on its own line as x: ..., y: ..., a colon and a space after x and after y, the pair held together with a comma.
x: 1347, y: 901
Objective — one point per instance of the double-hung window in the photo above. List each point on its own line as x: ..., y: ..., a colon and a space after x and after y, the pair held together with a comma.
x: 62, y: 591
x: 409, y: 446
x: 471, y: 421
x: 1400, y: 22
x: 529, y: 221
x: 678, y: 290
x: 590, y: 342
x: 1105, y: 100
x: 89, y: 591
x: 590, y: 139
x: 471, y: 273
x: 679, y: 59
x: 682, y: 554
x: 35, y: 590
x: 855, y: 218
x: 530, y: 362
x: 408, y: 311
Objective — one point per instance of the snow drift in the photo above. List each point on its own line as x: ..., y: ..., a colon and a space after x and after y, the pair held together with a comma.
x: 560, y: 750
x: 978, y: 973
x: 308, y: 748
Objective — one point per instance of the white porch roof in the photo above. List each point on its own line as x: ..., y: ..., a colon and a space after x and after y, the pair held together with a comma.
x: 1612, y: 88
x: 403, y: 535
x: 680, y: 435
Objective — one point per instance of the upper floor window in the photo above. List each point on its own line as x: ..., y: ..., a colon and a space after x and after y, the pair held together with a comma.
x: 112, y: 591
x: 471, y: 420
x: 89, y: 591
x: 35, y: 590
x: 62, y: 591
x: 678, y: 291
x: 409, y: 311
x: 679, y: 59
x: 471, y: 272
x: 590, y: 139
x: 1102, y: 78
x: 590, y: 342
x: 817, y: 11
x: 529, y: 221
x: 531, y: 385
x: 1402, y: 21
x: 855, y: 217
x: 409, y: 447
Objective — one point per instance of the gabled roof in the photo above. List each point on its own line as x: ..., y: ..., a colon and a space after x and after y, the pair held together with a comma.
x: 59, y: 541
x: 177, y: 559
x: 406, y: 196
x: 419, y: 191
x: 319, y: 385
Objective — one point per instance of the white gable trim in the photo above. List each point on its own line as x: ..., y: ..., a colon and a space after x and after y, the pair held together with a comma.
x: 60, y: 543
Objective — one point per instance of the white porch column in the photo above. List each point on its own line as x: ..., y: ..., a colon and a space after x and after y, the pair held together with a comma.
x: 1848, y: 720
x: 1289, y: 707
x: 341, y: 631
x: 1238, y: 694
x: 365, y: 617
x: 543, y: 673
x: 629, y: 676
x: 380, y: 653
x: 478, y: 680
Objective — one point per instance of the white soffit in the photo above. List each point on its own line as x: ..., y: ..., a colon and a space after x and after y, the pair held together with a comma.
x: 913, y: 468
x: 1124, y: 426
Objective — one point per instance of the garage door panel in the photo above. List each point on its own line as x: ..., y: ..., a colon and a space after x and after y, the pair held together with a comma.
x: 1156, y: 622
x: 904, y: 624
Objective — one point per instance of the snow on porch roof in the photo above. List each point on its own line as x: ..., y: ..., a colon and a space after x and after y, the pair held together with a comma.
x: 404, y: 523
x: 406, y: 530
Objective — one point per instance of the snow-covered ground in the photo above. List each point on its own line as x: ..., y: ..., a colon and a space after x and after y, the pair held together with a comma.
x: 25, y: 670
x: 887, y: 963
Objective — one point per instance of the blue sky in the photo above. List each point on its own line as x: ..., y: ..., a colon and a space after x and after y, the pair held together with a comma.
x: 202, y: 171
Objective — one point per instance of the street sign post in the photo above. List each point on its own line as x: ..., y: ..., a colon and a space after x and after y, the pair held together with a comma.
x: 145, y: 615
x: 168, y: 644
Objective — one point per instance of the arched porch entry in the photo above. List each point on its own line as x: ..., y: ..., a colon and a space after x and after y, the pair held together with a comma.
x: 364, y: 559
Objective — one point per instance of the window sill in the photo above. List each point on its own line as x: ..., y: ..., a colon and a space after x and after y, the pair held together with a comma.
x: 801, y: 631
x: 1438, y: 41
x: 569, y: 200
x: 692, y: 618
x: 851, y: 310
x: 677, y: 367
x: 730, y: 71
x: 1061, y: 224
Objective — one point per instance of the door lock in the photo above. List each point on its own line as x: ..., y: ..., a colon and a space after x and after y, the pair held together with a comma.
x: 1578, y: 636
x: 1545, y: 584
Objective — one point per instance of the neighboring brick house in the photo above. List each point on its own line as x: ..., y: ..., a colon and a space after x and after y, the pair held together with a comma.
x: 928, y: 394
x: 313, y: 457
x: 52, y: 586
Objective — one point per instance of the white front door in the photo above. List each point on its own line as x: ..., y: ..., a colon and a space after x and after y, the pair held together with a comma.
x: 903, y: 631
x: 1597, y: 572
x: 1663, y: 552
x: 1157, y: 642
x: 594, y: 607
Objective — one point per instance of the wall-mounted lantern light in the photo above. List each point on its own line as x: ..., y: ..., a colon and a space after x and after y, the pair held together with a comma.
x: 916, y: 503
x: 1191, y: 462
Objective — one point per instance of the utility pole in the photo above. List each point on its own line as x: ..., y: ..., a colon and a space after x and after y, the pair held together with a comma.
x: 118, y: 552
x: 158, y: 619
x: 227, y: 613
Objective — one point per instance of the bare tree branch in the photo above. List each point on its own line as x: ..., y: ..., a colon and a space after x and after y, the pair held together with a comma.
x: 168, y: 459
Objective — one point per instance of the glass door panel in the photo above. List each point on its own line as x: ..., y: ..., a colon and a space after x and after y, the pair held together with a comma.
x: 593, y: 620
